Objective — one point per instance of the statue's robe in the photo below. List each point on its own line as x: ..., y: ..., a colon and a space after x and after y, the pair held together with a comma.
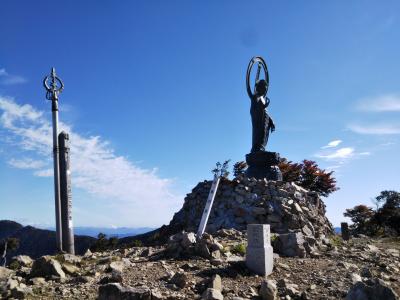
x: 261, y: 123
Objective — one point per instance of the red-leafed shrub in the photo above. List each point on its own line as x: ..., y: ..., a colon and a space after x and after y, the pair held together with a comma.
x: 308, y: 175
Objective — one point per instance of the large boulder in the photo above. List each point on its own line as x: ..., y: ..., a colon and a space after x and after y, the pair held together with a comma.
x: 115, y: 291
x: 46, y: 266
x: 21, y: 261
x: 5, y: 273
x: 268, y: 290
x: 212, y: 294
x: 70, y: 258
x: 374, y: 289
x: 290, y: 244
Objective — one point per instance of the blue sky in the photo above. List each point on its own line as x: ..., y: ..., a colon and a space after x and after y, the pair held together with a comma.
x: 155, y: 95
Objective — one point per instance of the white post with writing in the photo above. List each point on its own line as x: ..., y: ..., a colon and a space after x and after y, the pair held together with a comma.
x: 209, y: 203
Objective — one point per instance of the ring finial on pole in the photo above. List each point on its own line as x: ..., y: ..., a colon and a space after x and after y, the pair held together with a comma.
x: 53, y: 85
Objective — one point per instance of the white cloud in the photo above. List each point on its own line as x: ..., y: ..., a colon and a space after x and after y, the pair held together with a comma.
x: 332, y: 144
x: 333, y: 168
x: 137, y: 196
x: 382, y: 103
x: 44, y: 173
x: 339, y: 154
x: 376, y: 129
x: 26, y: 163
x: 366, y: 153
x: 8, y: 79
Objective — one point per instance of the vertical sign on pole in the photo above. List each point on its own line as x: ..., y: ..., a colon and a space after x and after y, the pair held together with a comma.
x: 209, y: 203
x: 66, y: 195
x: 54, y: 86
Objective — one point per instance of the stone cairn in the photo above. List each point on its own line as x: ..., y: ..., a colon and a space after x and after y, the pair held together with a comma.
x: 296, y: 216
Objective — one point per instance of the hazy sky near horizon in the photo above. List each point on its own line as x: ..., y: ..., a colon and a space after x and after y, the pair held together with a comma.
x: 155, y: 96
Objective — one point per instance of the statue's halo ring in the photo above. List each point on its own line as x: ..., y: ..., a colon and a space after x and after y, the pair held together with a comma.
x: 260, y: 61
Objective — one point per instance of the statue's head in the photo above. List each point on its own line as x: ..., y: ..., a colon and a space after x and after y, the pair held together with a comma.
x: 261, y: 88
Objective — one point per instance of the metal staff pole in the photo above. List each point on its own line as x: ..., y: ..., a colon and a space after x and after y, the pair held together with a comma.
x: 54, y: 86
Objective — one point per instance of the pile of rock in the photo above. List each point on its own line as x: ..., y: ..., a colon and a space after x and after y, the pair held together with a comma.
x: 184, y: 244
x: 296, y: 216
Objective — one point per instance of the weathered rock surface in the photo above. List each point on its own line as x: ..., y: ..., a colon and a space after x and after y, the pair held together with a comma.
x: 290, y: 244
x: 21, y: 261
x: 212, y: 294
x: 5, y: 273
x: 268, y: 290
x: 46, y: 266
x: 114, y: 291
x: 371, y: 290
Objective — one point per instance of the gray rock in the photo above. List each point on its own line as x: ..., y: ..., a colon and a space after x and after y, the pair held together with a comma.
x: 268, y: 290
x: 70, y: 269
x: 115, y: 291
x: 216, y: 254
x: 290, y: 244
x: 70, y: 258
x: 21, y: 292
x: 371, y: 290
x: 147, y: 252
x: 22, y: 261
x: 366, y: 272
x: 188, y: 239
x: 5, y: 273
x: 179, y: 279
x: 306, y: 230
x: 115, y: 277
x: 216, y: 261
x: 216, y: 282
x: 371, y: 248
x: 216, y: 246
x: 202, y: 249
x: 297, y: 208
x: 156, y: 295
x: 212, y: 294
x: 46, y: 266
x: 355, y: 278
x: 12, y: 283
x: 393, y: 252
x: 88, y: 253
x: 116, y: 266
x: 38, y: 281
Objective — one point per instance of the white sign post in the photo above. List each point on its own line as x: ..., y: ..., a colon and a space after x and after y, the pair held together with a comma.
x: 209, y: 203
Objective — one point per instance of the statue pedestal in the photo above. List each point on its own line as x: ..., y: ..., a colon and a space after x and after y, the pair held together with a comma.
x: 263, y: 164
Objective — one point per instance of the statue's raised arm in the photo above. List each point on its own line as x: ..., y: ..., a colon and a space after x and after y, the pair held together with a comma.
x: 261, y: 64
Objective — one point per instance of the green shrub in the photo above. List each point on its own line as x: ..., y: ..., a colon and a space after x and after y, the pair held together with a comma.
x: 137, y: 243
x: 336, y: 240
x: 273, y: 237
x: 14, y: 265
x: 239, y: 249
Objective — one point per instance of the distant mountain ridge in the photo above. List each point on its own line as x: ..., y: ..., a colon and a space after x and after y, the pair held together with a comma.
x: 118, y: 232
x: 38, y: 242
